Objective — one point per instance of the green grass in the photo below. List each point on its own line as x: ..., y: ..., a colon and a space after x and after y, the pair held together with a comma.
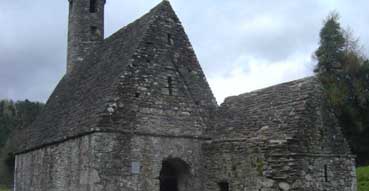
x: 3, y: 188
x: 363, y: 178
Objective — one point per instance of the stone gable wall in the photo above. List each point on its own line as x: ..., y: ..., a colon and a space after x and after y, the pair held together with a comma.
x: 147, y: 100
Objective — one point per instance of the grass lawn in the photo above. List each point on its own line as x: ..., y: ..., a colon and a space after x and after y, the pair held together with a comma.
x: 363, y: 178
x: 3, y: 188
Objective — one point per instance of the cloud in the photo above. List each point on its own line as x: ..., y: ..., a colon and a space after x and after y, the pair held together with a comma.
x: 241, y: 45
x: 251, y: 73
x: 32, y: 48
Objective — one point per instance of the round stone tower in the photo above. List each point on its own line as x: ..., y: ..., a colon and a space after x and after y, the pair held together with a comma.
x: 85, y: 29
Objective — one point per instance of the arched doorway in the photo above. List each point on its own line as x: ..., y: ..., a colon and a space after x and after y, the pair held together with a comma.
x: 175, y: 175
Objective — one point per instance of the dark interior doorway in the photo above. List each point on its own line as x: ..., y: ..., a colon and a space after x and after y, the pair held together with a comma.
x: 168, y: 178
x: 174, y: 175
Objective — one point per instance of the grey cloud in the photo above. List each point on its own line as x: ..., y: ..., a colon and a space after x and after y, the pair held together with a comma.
x: 33, y: 53
x: 33, y: 36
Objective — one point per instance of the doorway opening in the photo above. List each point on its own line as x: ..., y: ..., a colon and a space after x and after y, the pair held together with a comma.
x: 174, y: 175
x: 223, y: 186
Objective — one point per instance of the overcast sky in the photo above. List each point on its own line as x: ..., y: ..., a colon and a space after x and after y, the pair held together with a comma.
x: 242, y: 45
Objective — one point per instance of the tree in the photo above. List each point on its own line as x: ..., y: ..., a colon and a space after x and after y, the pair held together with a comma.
x: 344, y: 72
x: 332, y: 42
x: 7, y: 120
x: 13, y: 118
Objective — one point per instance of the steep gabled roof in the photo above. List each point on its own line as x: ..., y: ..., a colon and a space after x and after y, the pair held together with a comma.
x: 293, y: 113
x: 80, y: 100
x: 274, y: 107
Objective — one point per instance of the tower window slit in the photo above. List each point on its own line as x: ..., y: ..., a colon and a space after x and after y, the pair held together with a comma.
x: 93, y: 6
x: 170, y: 39
x: 170, y: 85
x: 326, y: 173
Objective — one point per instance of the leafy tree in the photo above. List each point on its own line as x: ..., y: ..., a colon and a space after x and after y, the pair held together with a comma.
x: 344, y: 72
x: 7, y: 120
x: 13, y: 118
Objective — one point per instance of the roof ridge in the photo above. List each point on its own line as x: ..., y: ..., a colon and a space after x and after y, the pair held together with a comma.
x: 151, y: 13
x: 250, y: 93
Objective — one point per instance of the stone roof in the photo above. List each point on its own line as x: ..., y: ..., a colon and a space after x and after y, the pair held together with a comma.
x: 293, y: 112
x: 272, y: 112
x: 81, y: 99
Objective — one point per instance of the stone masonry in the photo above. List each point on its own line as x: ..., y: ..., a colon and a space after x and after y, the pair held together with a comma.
x: 135, y: 113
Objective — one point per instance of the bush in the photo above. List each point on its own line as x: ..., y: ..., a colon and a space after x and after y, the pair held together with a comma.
x: 363, y: 178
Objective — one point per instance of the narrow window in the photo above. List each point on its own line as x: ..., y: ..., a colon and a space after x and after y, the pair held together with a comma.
x: 223, y: 186
x: 137, y: 95
x: 93, y: 7
x: 170, y: 85
x: 326, y: 173
x: 170, y: 39
x: 93, y: 29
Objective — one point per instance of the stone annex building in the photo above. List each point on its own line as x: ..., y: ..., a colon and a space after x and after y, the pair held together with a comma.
x: 134, y: 112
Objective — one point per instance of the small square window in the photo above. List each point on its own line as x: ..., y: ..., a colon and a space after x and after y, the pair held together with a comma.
x: 93, y: 30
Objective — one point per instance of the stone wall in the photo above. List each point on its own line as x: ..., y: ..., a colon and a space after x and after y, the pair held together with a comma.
x: 234, y: 163
x: 107, y: 161
x: 152, y: 151
x: 256, y: 167
x: 327, y: 173
x: 66, y: 166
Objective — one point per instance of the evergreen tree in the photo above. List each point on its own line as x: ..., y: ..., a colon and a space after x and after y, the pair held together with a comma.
x: 332, y: 42
x: 344, y: 72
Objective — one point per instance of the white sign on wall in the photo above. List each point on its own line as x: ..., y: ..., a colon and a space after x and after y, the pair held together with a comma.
x: 135, y: 167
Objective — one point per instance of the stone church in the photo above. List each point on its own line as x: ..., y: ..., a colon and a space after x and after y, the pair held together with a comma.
x: 134, y: 112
